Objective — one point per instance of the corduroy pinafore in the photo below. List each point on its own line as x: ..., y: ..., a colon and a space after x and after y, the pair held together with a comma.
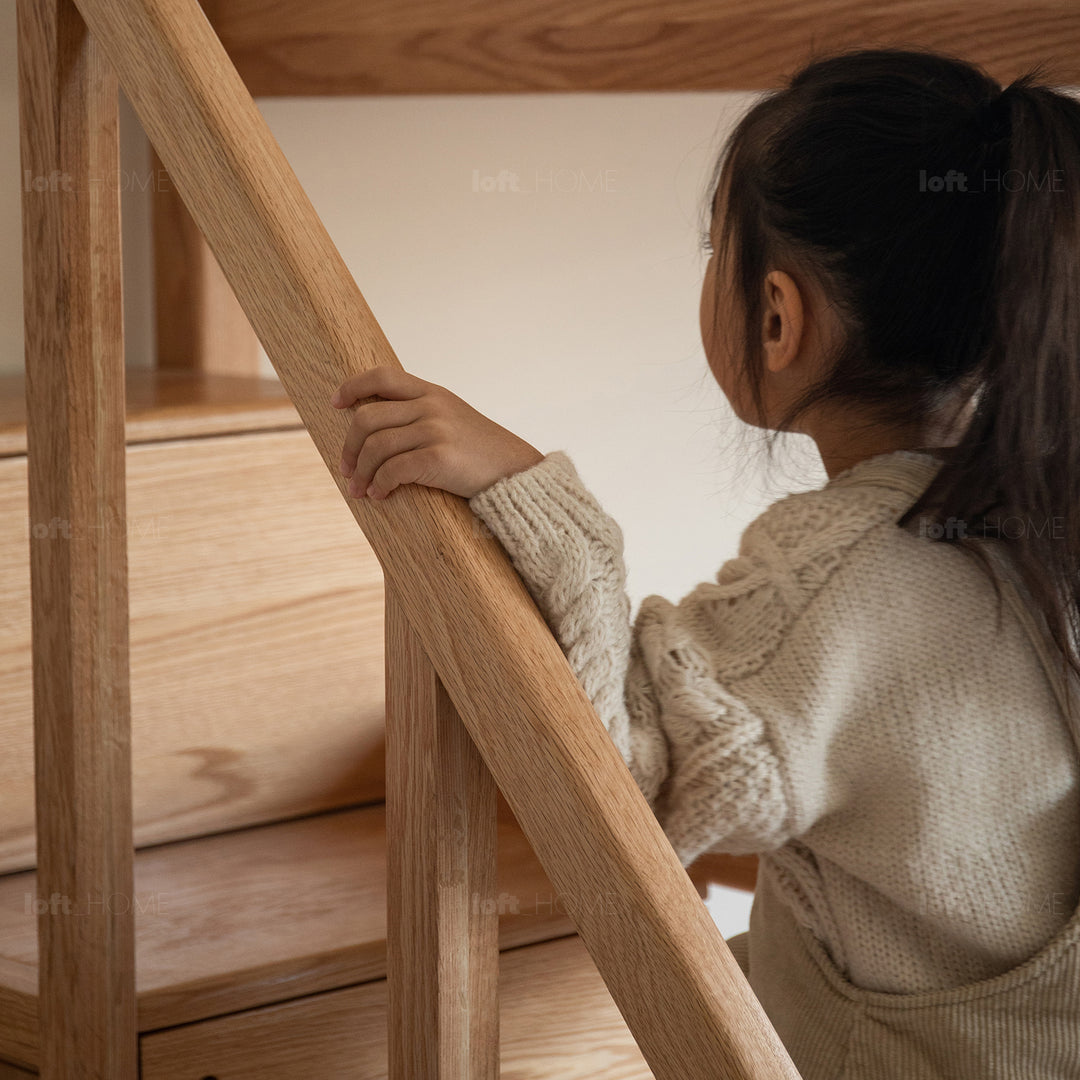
x: 1023, y: 1024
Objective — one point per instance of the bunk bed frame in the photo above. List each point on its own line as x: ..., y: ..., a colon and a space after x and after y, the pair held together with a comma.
x: 480, y: 703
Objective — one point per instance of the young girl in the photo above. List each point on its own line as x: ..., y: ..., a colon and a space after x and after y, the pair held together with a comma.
x: 897, y: 275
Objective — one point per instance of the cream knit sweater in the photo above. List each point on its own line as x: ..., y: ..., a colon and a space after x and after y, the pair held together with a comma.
x: 838, y: 697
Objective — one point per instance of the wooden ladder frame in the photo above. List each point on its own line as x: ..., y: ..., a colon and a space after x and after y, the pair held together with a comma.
x: 478, y: 691
x: 470, y: 662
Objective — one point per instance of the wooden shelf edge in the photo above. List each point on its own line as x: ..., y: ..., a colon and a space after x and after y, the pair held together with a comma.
x: 314, y: 857
x: 170, y: 404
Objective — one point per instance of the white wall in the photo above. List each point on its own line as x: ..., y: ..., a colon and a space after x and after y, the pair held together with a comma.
x: 567, y: 310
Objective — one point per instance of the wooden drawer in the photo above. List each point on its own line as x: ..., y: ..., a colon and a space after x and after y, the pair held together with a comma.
x: 557, y: 1019
x: 256, y: 640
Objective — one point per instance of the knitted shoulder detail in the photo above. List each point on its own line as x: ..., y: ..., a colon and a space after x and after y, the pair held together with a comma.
x: 786, y: 556
x: 810, y: 532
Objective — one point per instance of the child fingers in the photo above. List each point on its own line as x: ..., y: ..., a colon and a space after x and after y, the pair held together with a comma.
x: 415, y: 466
x: 383, y: 381
x: 373, y: 417
x: 379, y: 455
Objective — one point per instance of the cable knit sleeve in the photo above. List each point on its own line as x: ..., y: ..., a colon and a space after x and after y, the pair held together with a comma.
x: 701, y: 756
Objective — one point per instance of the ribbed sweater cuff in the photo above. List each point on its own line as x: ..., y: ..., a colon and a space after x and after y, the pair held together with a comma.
x: 541, y: 515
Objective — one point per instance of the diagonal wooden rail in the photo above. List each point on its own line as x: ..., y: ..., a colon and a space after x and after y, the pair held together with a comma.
x: 663, y: 959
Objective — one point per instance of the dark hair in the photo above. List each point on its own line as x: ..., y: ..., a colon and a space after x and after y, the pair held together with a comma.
x: 948, y: 299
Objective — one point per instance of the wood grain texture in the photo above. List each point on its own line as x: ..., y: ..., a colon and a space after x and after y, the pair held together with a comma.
x: 506, y: 675
x: 75, y: 412
x: 199, y: 323
x: 262, y: 915
x: 558, y: 1021
x: 19, y: 1008
x: 172, y: 404
x: 472, y: 46
x: 274, y: 617
x: 256, y: 641
x: 442, y: 932
x: 13, y: 1072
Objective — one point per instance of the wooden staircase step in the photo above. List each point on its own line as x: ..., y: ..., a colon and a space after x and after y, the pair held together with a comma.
x: 170, y: 404
x: 256, y: 641
x: 556, y: 1017
x: 244, y: 919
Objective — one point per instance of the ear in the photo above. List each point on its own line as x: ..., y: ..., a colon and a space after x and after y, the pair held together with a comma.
x: 782, y: 333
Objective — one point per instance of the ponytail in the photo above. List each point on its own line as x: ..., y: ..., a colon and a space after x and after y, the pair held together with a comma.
x: 1015, y: 474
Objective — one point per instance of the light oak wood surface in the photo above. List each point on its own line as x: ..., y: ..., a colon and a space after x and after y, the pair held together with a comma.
x: 74, y: 355
x: 327, y: 47
x: 558, y: 1021
x: 256, y: 638
x: 172, y: 404
x: 442, y: 911
x: 263, y: 915
x: 506, y: 675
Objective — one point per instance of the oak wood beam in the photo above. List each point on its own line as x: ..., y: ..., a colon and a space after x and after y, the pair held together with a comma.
x: 78, y: 569
x: 325, y: 47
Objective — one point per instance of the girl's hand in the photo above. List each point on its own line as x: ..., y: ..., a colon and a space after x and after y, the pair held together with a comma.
x: 421, y: 433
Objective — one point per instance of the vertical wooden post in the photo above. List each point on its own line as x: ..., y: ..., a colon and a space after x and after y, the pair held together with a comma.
x: 442, y: 918
x: 200, y: 323
x: 78, y: 550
